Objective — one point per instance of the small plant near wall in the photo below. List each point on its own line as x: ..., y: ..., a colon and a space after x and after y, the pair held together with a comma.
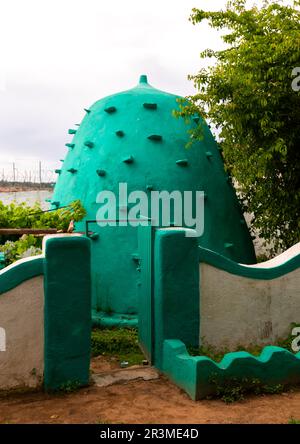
x: 293, y: 420
x: 25, y: 216
x: 235, y: 389
x: 70, y: 387
x: 218, y: 354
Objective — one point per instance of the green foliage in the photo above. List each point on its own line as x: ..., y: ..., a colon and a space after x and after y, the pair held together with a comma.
x: 293, y: 420
x: 119, y: 342
x: 26, y: 246
x: 217, y: 355
x: 25, y: 216
x: 247, y: 94
x: 287, y: 342
x: 70, y: 387
x: 235, y: 389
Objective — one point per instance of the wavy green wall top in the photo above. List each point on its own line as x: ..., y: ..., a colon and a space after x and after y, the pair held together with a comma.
x: 198, y: 375
x: 223, y: 263
x: 20, y: 271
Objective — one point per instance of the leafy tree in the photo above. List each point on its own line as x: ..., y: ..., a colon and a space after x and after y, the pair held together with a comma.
x: 247, y: 94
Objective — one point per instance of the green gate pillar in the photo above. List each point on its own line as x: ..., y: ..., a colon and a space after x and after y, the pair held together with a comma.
x: 67, y: 288
x: 176, y: 290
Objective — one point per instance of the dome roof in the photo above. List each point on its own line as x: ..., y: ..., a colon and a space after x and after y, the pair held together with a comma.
x: 133, y: 137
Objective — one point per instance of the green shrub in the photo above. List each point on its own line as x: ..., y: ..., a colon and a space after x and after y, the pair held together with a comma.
x: 26, y: 246
x: 121, y: 343
x: 294, y: 421
x: 25, y: 216
x: 235, y: 389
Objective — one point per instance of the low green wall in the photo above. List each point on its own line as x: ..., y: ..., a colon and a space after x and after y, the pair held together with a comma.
x: 20, y: 271
x: 176, y: 319
x: 199, y: 376
x: 66, y: 321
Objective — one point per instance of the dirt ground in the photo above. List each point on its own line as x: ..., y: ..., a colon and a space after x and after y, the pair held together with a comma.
x: 146, y: 402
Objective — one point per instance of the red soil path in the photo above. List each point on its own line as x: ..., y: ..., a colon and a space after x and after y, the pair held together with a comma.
x: 157, y: 401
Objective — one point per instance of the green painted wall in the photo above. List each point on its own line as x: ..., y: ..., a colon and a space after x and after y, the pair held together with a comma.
x: 117, y: 128
x: 67, y: 306
x: 176, y: 313
x: 223, y: 263
x: 15, y: 274
x: 176, y: 320
x: 67, y: 282
x: 274, y: 366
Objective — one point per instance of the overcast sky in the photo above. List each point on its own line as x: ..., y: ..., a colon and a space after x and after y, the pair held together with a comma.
x: 59, y: 56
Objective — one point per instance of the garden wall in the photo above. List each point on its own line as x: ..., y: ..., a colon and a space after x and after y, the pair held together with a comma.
x: 244, y: 305
x: 22, y: 318
x: 45, y: 316
x: 196, y: 292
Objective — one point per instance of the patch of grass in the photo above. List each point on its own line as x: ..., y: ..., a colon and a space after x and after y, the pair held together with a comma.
x: 70, y: 387
x: 234, y: 389
x: 293, y: 420
x: 218, y: 354
x: 255, y: 350
x: 6, y: 422
x: 121, y: 343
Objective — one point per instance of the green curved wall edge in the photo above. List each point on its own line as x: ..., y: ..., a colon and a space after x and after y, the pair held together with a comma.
x: 274, y: 366
x: 223, y: 263
x: 11, y: 277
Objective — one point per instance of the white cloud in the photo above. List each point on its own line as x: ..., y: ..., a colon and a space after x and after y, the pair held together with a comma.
x: 59, y: 56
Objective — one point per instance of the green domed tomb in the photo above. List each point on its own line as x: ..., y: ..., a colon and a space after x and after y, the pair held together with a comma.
x: 133, y: 137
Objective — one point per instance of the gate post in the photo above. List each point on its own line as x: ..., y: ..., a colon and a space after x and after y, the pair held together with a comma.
x: 67, y: 310
x: 176, y: 290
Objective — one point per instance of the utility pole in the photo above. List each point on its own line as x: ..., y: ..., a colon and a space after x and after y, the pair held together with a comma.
x: 14, y: 172
x: 40, y: 173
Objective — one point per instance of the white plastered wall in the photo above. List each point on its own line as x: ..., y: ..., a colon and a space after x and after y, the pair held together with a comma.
x: 22, y: 318
x: 235, y: 310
